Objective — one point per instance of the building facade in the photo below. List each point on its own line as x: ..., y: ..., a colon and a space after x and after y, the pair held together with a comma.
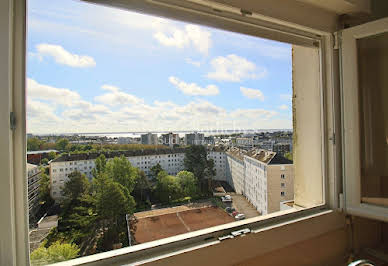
x: 265, y: 178
x: 33, y: 180
x: 194, y: 139
x: 149, y: 139
x: 244, y: 143
x: 171, y: 160
x: 170, y: 139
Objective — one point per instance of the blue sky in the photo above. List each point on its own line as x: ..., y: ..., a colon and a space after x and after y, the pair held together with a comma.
x: 98, y: 69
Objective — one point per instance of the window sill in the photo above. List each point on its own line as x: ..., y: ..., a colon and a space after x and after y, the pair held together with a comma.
x: 197, y: 240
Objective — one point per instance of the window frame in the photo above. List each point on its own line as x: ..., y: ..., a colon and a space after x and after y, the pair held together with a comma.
x: 269, y: 28
x: 350, y: 119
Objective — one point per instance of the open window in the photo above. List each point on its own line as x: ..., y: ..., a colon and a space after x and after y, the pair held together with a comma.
x: 313, y: 128
x: 364, y: 54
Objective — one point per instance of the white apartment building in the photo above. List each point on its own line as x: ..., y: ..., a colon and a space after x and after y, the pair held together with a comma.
x: 171, y: 160
x: 33, y: 179
x: 265, y: 178
x: 219, y: 157
x: 244, y: 143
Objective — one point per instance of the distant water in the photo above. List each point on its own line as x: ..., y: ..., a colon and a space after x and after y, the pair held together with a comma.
x: 181, y: 133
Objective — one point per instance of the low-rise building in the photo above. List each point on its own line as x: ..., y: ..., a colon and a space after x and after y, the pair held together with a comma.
x: 33, y: 180
x: 244, y: 143
x: 282, y: 148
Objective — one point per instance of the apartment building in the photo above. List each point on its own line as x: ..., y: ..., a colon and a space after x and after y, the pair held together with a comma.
x: 244, y: 143
x: 170, y: 139
x: 149, y: 139
x: 171, y: 160
x: 282, y: 148
x: 33, y: 179
x: 194, y: 138
x: 218, y: 155
x: 265, y: 178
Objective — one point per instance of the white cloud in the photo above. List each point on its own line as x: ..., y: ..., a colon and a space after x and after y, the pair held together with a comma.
x: 116, y: 97
x: 57, y: 95
x: 192, y: 62
x: 190, y: 35
x: 64, y: 57
x: 252, y: 93
x: 235, y: 69
x: 283, y: 107
x: 55, y: 110
x: 193, y: 88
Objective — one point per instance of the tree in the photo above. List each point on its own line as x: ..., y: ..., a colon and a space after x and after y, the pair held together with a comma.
x: 168, y: 187
x: 113, y: 203
x: 44, y: 161
x: 289, y: 156
x: 33, y: 144
x: 51, y: 155
x: 120, y: 170
x: 196, y: 162
x: 44, y: 189
x: 154, y: 171
x: 76, y: 186
x: 188, y: 183
x: 57, y: 252
x: 142, y: 186
x: 100, y: 164
x: 61, y: 144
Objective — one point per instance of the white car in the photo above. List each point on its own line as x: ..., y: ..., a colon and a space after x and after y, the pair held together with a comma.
x: 239, y: 216
x: 227, y: 198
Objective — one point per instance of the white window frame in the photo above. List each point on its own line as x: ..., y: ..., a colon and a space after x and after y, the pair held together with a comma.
x: 350, y: 120
x: 254, y: 24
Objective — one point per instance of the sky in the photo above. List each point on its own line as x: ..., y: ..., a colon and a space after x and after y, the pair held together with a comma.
x: 96, y: 69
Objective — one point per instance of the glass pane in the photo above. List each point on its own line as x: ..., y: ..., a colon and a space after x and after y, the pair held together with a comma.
x: 373, y: 92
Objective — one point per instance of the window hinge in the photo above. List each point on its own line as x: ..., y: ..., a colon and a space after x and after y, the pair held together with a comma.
x: 336, y: 40
x: 332, y: 138
x: 234, y: 234
x: 12, y: 121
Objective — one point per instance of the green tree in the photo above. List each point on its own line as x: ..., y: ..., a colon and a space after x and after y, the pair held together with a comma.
x: 142, y: 186
x: 61, y: 144
x: 44, y: 161
x: 113, y: 203
x: 76, y: 186
x: 100, y: 164
x: 57, y: 252
x: 120, y: 170
x: 154, y: 170
x: 196, y: 161
x: 44, y: 189
x: 33, y: 144
x: 188, y: 183
x: 167, y: 187
x: 51, y: 155
x: 289, y: 156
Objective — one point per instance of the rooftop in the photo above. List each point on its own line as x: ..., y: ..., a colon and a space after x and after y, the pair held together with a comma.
x: 267, y: 157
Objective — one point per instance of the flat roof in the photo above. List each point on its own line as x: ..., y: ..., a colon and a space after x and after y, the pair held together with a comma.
x: 42, y: 151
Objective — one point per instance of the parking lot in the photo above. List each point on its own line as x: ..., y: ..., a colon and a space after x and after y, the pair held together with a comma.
x: 241, y: 204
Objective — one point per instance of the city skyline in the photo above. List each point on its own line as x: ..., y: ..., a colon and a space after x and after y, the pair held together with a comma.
x: 181, y: 76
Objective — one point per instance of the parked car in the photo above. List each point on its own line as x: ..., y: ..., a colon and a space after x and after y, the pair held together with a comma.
x: 226, y: 198
x: 239, y: 216
x: 230, y: 209
x: 234, y: 213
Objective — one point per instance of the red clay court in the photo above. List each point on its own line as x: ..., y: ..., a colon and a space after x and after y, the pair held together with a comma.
x: 154, y: 227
